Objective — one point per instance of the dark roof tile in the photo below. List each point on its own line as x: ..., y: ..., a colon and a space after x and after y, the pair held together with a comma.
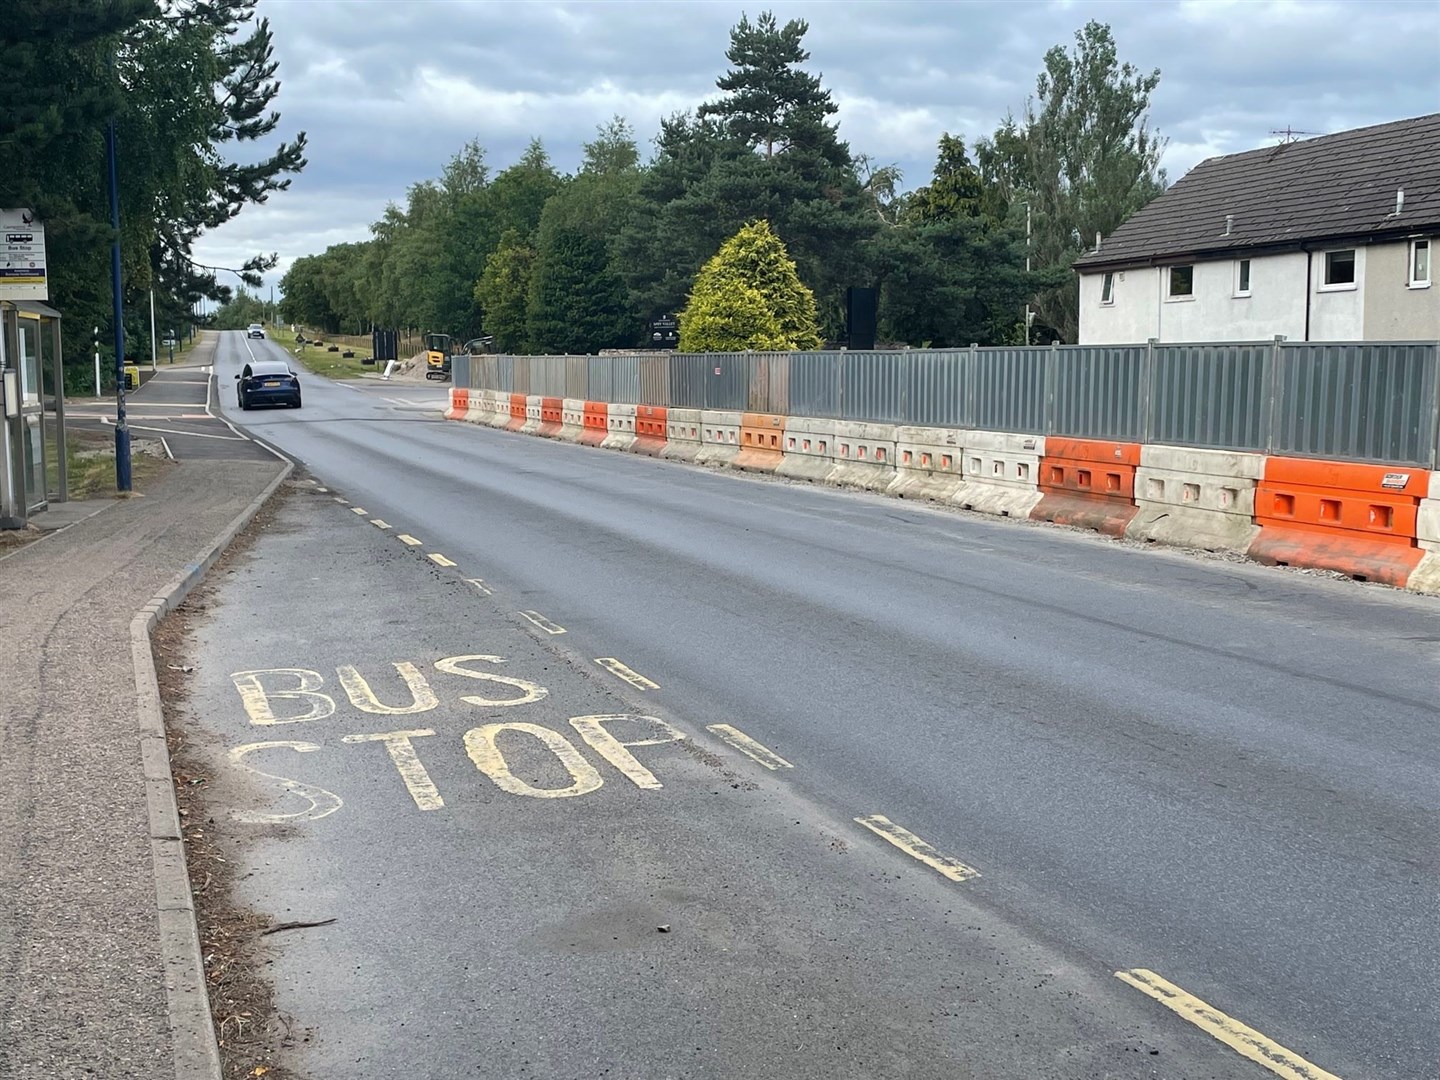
x: 1338, y: 186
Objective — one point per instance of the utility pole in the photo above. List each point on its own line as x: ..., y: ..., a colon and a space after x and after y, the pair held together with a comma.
x: 154, y: 347
x: 122, y: 431
x: 97, y: 361
x: 1027, y: 271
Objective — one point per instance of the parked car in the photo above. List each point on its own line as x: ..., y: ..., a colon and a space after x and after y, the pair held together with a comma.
x: 255, y: 330
x: 267, y: 382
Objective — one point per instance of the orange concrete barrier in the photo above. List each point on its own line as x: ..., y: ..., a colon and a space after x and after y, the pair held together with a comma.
x: 762, y: 439
x: 1337, y: 515
x: 551, y: 420
x: 597, y: 423
x: 650, y: 431
x: 459, y: 404
x: 517, y: 412
x: 1088, y: 483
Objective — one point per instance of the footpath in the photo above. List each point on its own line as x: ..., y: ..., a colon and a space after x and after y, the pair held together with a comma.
x: 99, y: 960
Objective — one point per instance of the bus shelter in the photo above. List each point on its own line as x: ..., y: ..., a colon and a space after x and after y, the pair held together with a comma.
x: 32, y: 386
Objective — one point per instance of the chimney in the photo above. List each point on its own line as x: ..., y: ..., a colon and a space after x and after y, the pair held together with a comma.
x: 1399, y: 201
x: 1097, y: 239
x: 1229, y: 223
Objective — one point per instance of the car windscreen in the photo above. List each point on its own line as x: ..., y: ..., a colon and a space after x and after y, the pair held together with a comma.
x: 268, y: 371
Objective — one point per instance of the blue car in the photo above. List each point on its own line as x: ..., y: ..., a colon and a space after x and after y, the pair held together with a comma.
x: 267, y: 382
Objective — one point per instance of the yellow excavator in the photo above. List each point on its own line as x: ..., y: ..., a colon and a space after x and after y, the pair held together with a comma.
x: 437, y: 356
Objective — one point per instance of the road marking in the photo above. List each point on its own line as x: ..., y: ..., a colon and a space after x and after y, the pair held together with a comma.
x: 1245, y: 1041
x: 482, y: 746
x: 634, y: 678
x: 342, y: 502
x: 479, y: 583
x: 916, y: 848
x: 422, y: 697
x: 322, y: 489
x: 379, y: 524
x: 359, y: 510
x: 322, y: 803
x: 452, y: 665
x: 417, y: 781
x: 748, y: 746
x: 439, y: 560
x: 542, y: 622
x: 406, y: 538
x: 592, y: 729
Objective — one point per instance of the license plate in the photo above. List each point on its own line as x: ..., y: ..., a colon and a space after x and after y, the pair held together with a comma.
x: 270, y: 384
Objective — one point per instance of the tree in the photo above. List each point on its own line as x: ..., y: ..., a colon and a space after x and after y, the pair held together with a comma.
x: 754, y: 260
x: 503, y: 291
x: 1083, y: 157
x: 771, y: 102
x: 576, y: 304
x: 957, y: 189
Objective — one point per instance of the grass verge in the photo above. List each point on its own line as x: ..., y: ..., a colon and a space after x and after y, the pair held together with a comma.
x: 320, y: 360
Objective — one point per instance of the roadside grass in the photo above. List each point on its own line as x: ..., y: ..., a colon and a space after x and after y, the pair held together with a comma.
x: 318, y: 359
x: 90, y: 464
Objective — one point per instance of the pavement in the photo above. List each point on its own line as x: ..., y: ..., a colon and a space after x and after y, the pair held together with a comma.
x: 1216, y: 780
x: 86, y: 927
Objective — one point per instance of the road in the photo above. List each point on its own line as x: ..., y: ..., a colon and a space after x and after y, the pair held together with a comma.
x: 1220, y: 773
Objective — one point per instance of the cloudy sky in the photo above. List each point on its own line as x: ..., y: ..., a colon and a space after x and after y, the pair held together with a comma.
x: 388, y: 90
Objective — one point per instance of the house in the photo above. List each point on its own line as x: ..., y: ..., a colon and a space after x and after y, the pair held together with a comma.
x: 1324, y: 239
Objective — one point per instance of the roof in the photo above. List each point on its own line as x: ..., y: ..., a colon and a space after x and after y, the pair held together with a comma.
x: 1335, y: 187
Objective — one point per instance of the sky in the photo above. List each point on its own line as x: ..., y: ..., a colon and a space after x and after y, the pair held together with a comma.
x: 389, y: 90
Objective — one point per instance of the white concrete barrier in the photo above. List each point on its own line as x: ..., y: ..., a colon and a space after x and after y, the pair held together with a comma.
x: 572, y: 419
x: 1425, y: 578
x: 864, y: 455
x: 532, y: 415
x: 499, y: 409
x: 682, y: 435
x: 719, y: 437
x: 620, y: 426
x: 809, y: 448
x: 1196, y: 498
x: 930, y: 464
x: 1002, y: 473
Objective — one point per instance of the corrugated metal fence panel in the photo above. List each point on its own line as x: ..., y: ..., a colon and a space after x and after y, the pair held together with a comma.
x: 1098, y: 392
x: 814, y: 384
x: 597, y: 379
x: 1369, y: 402
x: 460, y: 371
x: 547, y: 376
x: 520, y: 384
x: 727, y: 381
x: 577, y: 378
x: 687, y: 380
x: 935, y: 396
x: 624, y: 379
x: 654, y: 380
x: 1008, y: 385
x: 1214, y: 396
x: 872, y: 386
x: 505, y: 374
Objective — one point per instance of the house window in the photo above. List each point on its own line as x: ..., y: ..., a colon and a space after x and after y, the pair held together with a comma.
x: 1340, y: 267
x: 1242, y: 277
x: 1419, y: 264
x: 1182, y: 281
x: 1107, y: 289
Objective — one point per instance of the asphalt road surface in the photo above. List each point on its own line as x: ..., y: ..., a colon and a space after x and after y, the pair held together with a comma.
x: 1220, y: 781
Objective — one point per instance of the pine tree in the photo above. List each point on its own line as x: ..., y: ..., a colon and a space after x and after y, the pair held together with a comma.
x: 503, y: 291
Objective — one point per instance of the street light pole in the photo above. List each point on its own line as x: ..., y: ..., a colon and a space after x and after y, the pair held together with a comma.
x: 122, y: 432
x: 1027, y: 271
x: 154, y: 347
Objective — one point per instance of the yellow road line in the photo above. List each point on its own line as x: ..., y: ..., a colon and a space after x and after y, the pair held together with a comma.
x: 402, y: 752
x: 634, y: 678
x: 440, y: 560
x: 916, y: 848
x: 406, y: 538
x: 379, y: 524
x: 749, y: 747
x: 359, y: 510
x: 542, y: 622
x: 1245, y: 1041
x: 479, y: 584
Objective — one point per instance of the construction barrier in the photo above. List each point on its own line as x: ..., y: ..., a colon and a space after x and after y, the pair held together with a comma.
x: 1002, y: 473
x: 532, y: 415
x: 1088, y: 483
x: 1333, y: 515
x: 596, y: 423
x: 517, y: 413
x: 864, y: 455
x: 929, y: 463
x: 620, y: 425
x: 1196, y: 498
x: 552, y: 417
x: 1426, y: 577
x: 809, y: 449
x: 650, y: 430
x: 760, y: 442
x: 496, y: 409
x: 682, y: 434
x: 572, y: 419
x: 459, y: 404
x: 719, y: 437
